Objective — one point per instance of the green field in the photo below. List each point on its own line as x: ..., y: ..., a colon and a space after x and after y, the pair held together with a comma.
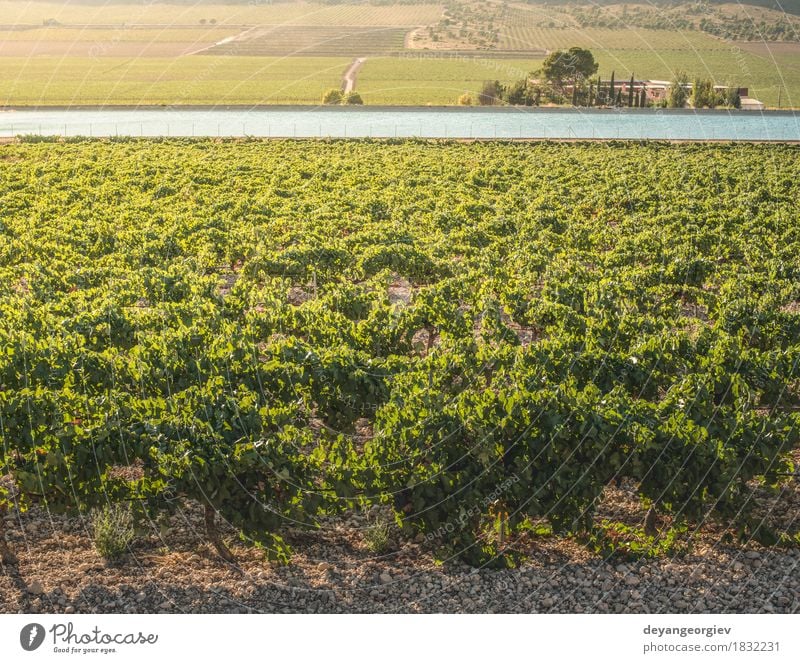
x: 205, y: 79
x: 190, y: 80
x: 434, y: 80
x: 291, y: 52
x: 280, y: 331
x: 764, y: 76
x: 441, y: 80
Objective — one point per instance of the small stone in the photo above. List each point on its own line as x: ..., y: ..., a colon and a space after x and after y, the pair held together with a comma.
x: 547, y: 602
x: 385, y: 578
x: 70, y: 609
x: 35, y: 588
x: 752, y: 554
x: 632, y: 581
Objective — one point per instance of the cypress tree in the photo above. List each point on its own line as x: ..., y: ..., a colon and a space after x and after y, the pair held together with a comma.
x: 630, y: 93
x: 591, y: 95
x: 575, y: 94
x: 599, y: 91
x: 618, y: 102
x: 611, y: 94
x: 643, y: 99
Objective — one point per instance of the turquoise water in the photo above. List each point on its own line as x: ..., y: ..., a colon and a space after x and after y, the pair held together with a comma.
x: 306, y: 122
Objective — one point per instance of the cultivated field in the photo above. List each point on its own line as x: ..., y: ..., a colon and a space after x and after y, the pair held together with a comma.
x: 574, y: 368
x: 149, y: 50
x: 352, y: 41
x: 255, y: 13
x: 189, y: 80
x: 523, y: 37
x: 434, y: 80
x: 763, y: 75
x: 441, y: 80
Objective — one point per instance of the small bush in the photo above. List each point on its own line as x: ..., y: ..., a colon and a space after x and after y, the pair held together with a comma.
x: 332, y: 96
x: 353, y: 99
x: 376, y: 536
x: 465, y: 100
x: 113, y: 530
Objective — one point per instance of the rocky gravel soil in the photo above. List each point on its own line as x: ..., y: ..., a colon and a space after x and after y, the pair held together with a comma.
x: 333, y: 570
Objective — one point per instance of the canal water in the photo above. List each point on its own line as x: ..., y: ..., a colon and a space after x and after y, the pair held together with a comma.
x: 405, y: 122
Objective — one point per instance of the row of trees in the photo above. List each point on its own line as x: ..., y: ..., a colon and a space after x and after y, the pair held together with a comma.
x: 701, y: 94
x: 568, y: 77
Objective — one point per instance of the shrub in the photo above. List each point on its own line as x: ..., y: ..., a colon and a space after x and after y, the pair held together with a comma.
x: 353, y: 99
x: 376, y: 536
x: 113, y: 530
x: 465, y: 99
x: 332, y: 97
x: 491, y: 93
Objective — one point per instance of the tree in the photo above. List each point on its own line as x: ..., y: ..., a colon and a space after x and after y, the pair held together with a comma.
x: 353, y: 99
x: 705, y: 96
x: 573, y: 66
x: 643, y: 98
x: 611, y: 95
x: 491, y: 93
x: 731, y: 97
x: 332, y: 97
x: 520, y: 93
x: 630, y: 92
x: 677, y: 92
x: 699, y: 93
